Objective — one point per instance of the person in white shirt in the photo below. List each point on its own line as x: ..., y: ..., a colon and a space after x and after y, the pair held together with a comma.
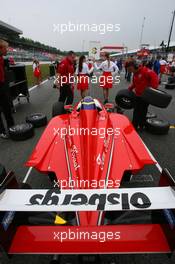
x: 83, y: 72
x: 163, y: 64
x: 116, y: 62
x: 106, y: 80
x: 163, y: 67
x: 173, y: 63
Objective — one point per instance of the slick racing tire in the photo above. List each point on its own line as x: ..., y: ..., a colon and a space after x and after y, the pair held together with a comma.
x: 2, y: 173
x: 157, y: 126
x: 156, y: 97
x: 151, y: 115
x: 21, y: 132
x: 170, y: 86
x: 37, y: 119
x: 58, y: 109
x: 125, y: 99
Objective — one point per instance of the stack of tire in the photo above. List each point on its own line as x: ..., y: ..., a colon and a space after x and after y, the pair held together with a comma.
x: 126, y: 99
x: 25, y: 131
x: 157, y: 126
x: 170, y: 85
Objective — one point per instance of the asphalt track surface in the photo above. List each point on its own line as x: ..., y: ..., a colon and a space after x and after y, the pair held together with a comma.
x: 14, y: 155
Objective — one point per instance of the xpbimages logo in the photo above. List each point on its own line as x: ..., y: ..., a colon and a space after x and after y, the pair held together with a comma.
x: 77, y: 234
x: 85, y: 27
x: 82, y: 131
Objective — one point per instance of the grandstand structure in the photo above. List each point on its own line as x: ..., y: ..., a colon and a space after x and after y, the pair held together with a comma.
x: 23, y: 50
x: 8, y: 32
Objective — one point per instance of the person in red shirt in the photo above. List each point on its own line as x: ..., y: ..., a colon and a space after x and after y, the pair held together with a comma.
x: 65, y: 76
x: 11, y: 60
x: 37, y: 71
x: 127, y: 73
x: 5, y: 102
x: 142, y: 78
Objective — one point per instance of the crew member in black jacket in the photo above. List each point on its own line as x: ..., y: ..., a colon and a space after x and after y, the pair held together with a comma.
x: 5, y: 103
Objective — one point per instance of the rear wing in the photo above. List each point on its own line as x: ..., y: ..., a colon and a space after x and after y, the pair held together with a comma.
x: 104, y: 239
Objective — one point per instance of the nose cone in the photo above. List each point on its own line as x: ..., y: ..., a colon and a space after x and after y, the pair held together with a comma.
x: 88, y: 121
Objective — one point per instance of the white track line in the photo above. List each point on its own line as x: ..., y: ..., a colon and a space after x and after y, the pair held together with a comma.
x: 31, y: 89
x: 35, y: 86
x: 27, y: 174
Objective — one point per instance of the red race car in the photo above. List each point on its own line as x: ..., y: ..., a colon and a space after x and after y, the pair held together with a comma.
x: 92, y: 156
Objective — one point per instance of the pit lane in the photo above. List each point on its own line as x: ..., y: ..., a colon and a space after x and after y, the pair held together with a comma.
x: 14, y: 154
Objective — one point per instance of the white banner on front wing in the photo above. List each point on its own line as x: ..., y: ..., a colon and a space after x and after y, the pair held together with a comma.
x: 88, y: 200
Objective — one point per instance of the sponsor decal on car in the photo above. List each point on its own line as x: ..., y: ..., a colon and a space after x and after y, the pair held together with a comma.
x: 101, y: 160
x: 74, y: 152
x: 53, y: 197
x: 88, y: 199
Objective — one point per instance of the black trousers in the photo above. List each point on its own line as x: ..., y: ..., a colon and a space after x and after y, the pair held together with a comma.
x: 5, y: 107
x: 126, y: 72
x: 128, y: 77
x: 66, y: 94
x: 140, y: 112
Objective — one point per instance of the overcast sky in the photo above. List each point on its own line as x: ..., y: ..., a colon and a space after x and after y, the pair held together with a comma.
x: 37, y: 17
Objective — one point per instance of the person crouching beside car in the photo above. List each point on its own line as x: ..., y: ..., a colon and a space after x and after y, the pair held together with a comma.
x: 142, y: 79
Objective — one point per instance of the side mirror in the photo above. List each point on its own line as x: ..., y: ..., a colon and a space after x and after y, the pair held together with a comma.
x: 68, y: 108
x: 109, y: 107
